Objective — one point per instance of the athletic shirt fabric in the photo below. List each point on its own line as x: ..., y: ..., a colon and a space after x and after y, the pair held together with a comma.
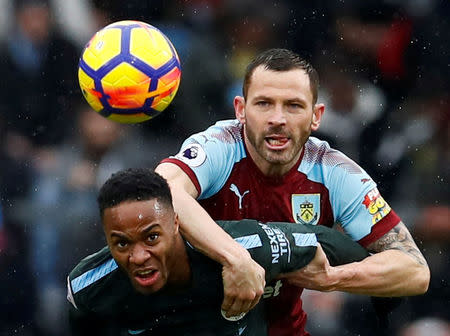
x: 103, y: 302
x: 324, y: 187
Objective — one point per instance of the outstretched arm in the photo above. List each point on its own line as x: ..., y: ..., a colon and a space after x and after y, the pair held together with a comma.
x: 397, y: 268
x: 243, y: 278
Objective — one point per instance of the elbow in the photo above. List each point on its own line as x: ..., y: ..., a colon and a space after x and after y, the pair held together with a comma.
x: 422, y: 280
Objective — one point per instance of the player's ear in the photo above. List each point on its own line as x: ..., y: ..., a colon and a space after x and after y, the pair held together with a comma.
x: 318, y: 111
x: 176, y: 224
x: 239, y: 108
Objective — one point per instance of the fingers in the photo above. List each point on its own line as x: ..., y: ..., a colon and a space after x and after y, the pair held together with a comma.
x: 235, y: 305
x: 228, y: 301
x: 242, y: 289
x: 239, y: 302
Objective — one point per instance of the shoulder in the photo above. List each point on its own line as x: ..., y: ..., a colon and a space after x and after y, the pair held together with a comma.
x: 91, y: 281
x: 225, y: 131
x: 324, y: 164
x: 220, y: 142
x: 318, y: 152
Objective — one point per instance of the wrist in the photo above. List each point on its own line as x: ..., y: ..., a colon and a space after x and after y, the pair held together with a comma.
x: 235, y: 256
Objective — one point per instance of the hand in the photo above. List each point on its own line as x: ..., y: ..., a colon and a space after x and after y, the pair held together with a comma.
x: 243, y: 282
x: 317, y: 275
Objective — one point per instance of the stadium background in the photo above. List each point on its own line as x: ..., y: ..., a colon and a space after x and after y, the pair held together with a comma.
x: 384, y: 68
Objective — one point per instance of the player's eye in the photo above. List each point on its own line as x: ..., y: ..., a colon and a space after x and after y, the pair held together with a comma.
x: 262, y: 103
x: 121, y: 244
x: 152, y: 237
x: 295, y: 106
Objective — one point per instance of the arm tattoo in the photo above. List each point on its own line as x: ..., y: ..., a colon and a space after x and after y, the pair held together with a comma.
x: 400, y: 239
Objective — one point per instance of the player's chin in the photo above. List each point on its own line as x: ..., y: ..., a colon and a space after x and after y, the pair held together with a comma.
x: 278, y: 157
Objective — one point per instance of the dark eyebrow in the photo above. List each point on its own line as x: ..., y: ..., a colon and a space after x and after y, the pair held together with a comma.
x: 147, y: 229
x: 261, y: 97
x: 297, y: 100
x: 150, y: 228
x: 118, y: 235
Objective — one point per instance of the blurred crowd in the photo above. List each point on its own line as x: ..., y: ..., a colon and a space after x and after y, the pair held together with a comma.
x: 385, y: 81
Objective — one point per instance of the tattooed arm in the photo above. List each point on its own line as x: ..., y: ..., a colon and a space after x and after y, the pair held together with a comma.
x: 397, y: 268
x: 400, y: 239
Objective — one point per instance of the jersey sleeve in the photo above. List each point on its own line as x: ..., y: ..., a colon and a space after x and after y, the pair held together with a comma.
x: 286, y: 247
x: 208, y: 157
x: 82, y: 321
x: 357, y: 205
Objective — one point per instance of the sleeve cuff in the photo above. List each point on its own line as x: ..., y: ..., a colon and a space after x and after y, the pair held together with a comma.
x: 380, y: 229
x: 189, y: 172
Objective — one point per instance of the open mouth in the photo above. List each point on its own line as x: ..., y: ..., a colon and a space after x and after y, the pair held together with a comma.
x: 146, y: 277
x: 276, y: 142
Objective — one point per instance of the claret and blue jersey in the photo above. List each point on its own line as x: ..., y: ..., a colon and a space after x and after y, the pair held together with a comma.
x: 323, y: 188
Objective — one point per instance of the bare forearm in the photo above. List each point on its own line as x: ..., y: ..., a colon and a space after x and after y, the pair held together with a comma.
x: 195, y: 223
x: 243, y: 278
x: 388, y: 273
x: 202, y: 232
x: 397, y: 268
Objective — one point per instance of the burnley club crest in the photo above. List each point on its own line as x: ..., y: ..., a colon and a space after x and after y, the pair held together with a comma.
x: 306, y: 208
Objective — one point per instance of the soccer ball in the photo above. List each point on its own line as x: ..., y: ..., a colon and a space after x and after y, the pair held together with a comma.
x: 129, y: 72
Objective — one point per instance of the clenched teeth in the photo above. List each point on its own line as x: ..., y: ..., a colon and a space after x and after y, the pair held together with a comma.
x: 276, y: 142
x: 145, y: 272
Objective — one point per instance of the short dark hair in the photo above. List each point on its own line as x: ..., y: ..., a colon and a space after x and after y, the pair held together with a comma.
x: 133, y: 184
x: 282, y: 60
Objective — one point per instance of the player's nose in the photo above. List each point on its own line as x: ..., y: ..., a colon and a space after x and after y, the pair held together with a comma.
x: 277, y: 115
x: 139, y: 254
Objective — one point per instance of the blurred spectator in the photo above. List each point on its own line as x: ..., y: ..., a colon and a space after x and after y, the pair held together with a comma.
x: 351, y: 104
x: 429, y: 199
x: 426, y: 327
x: 62, y: 206
x: 15, y: 170
x: 324, y: 312
x: 193, y: 28
x: 249, y: 27
x: 76, y: 19
x: 38, y: 84
x: 17, y: 301
x: 376, y: 36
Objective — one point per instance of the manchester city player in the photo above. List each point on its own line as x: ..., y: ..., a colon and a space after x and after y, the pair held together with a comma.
x: 150, y: 281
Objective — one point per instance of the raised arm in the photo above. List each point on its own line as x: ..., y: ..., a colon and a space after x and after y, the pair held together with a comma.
x: 397, y: 268
x: 243, y: 278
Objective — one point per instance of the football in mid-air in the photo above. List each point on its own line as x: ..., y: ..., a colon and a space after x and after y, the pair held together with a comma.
x: 129, y: 72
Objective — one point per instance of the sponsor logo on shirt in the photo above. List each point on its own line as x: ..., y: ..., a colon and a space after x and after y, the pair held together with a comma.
x: 279, y: 244
x: 240, y: 196
x: 271, y: 291
x: 376, y: 205
x: 306, y: 208
x: 193, y: 155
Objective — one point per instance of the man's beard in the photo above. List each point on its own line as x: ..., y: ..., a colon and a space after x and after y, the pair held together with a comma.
x: 274, y: 157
